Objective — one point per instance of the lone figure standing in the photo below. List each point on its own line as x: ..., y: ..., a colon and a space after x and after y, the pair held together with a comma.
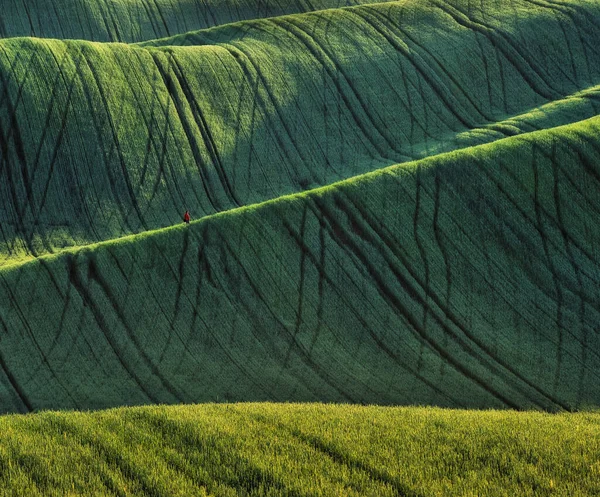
x: 186, y: 217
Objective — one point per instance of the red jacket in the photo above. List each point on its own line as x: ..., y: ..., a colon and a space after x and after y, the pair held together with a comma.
x: 186, y: 217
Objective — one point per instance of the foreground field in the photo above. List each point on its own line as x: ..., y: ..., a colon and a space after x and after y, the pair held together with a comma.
x: 302, y: 449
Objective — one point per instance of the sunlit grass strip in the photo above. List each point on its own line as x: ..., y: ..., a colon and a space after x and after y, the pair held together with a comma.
x: 300, y: 449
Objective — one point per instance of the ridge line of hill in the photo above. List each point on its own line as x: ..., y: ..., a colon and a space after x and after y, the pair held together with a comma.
x: 166, y: 41
x: 17, y: 265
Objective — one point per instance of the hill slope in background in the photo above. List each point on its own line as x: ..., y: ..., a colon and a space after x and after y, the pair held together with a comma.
x: 130, y: 21
x: 104, y: 140
x: 373, y: 231
x: 469, y: 279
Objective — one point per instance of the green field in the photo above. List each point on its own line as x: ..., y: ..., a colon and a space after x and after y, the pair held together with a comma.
x: 394, y: 247
x: 393, y: 203
x: 296, y: 449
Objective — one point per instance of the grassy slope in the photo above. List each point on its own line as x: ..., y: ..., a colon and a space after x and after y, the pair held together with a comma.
x: 103, y: 140
x: 270, y: 449
x: 137, y: 20
x: 468, y: 279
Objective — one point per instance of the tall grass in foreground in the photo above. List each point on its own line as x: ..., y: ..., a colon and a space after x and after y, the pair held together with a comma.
x: 299, y: 449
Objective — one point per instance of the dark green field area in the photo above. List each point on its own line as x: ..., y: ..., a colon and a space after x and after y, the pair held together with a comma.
x: 137, y: 20
x: 393, y: 203
x: 297, y: 450
x: 104, y: 140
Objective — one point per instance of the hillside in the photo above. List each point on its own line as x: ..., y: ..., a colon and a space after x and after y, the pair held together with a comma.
x: 299, y: 450
x: 395, y: 203
x: 130, y: 21
x: 104, y: 140
x: 454, y: 280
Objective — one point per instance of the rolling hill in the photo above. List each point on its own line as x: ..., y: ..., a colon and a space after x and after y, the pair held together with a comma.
x: 396, y: 203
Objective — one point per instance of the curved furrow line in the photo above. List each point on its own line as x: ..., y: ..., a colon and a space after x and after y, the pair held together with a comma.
x: 201, y: 123
x: 164, y: 149
x: 243, y: 60
x: 107, y: 452
x: 16, y: 307
x: 20, y: 393
x: 298, y: 348
x: 397, y: 304
x: 115, y: 143
x: 457, y: 87
x: 550, y: 264
x: 314, y: 139
x: 484, y: 352
x: 324, y: 58
x: 305, y: 255
x: 575, y: 266
x: 216, y: 205
x: 525, y: 242
x: 327, y: 450
x: 13, y: 134
x: 509, y: 292
x: 526, y: 66
x: 160, y: 149
x: 105, y: 151
x: 533, y: 220
x: 341, y: 366
x: 207, y: 326
x: 84, y: 205
x: 88, y: 300
x: 395, y: 356
x: 436, y: 85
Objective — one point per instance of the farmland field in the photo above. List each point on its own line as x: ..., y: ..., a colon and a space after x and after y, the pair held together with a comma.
x: 294, y: 449
x: 393, y: 203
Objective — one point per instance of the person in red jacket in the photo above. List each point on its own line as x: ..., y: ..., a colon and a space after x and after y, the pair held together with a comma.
x: 186, y: 217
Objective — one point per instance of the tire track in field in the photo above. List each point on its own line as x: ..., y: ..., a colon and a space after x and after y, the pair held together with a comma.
x: 88, y: 299
x: 327, y: 61
x: 413, y: 293
x: 160, y: 149
x: 300, y: 242
x: 113, y: 458
x: 22, y: 318
x: 245, y: 63
x: 456, y: 86
x: 434, y: 83
x: 250, y: 478
x: 396, y: 304
x: 124, y: 219
x: 13, y: 134
x: 204, y: 128
x: 209, y: 328
x: 115, y: 142
x: 301, y: 353
x: 574, y: 265
x: 300, y: 291
x: 533, y: 224
x: 84, y: 205
x: 215, y: 203
x: 533, y: 221
x: 445, y: 309
x: 337, y: 456
x: 18, y: 390
x: 526, y: 66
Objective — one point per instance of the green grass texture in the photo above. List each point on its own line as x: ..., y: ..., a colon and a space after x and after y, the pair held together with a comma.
x: 299, y: 449
x: 393, y: 203
x: 99, y: 141
x: 469, y: 279
x: 131, y: 21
